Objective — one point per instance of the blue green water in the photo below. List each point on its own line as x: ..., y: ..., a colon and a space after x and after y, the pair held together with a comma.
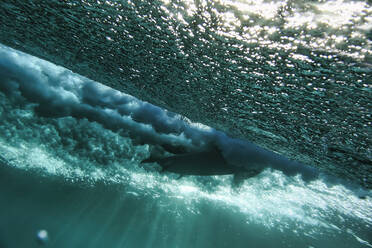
x: 70, y: 165
x: 293, y: 77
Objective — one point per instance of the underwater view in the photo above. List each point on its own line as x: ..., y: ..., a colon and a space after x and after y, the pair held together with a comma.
x: 185, y: 123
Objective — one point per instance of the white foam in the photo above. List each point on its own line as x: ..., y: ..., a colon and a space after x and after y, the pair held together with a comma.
x: 60, y: 92
x: 271, y: 199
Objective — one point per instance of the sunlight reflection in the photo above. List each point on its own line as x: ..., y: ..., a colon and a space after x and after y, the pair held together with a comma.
x: 267, y: 22
x: 339, y: 12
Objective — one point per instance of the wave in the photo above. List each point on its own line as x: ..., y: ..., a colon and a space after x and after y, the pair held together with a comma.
x: 102, y: 135
x: 59, y: 92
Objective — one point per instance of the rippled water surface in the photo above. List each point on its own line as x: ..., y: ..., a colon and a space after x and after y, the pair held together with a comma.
x: 291, y: 76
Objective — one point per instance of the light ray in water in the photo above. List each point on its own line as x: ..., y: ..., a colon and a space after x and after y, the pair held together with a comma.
x: 100, y: 151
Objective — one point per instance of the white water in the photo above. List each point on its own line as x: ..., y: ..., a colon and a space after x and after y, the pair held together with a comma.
x: 83, y: 152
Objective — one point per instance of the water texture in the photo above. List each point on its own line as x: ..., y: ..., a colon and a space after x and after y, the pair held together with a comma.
x: 291, y: 76
x: 71, y: 166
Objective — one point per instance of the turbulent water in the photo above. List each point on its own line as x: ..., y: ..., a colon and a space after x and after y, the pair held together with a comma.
x: 70, y: 164
x: 291, y: 76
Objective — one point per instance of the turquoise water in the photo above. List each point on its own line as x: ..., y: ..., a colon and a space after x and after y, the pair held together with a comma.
x: 71, y: 165
x: 293, y: 77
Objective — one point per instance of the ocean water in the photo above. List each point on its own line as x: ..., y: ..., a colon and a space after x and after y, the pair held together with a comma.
x: 293, y: 77
x: 71, y: 165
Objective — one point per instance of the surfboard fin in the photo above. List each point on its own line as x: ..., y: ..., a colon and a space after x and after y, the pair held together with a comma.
x: 241, y: 176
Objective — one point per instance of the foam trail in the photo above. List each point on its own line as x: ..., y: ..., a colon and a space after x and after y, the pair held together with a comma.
x: 59, y: 92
